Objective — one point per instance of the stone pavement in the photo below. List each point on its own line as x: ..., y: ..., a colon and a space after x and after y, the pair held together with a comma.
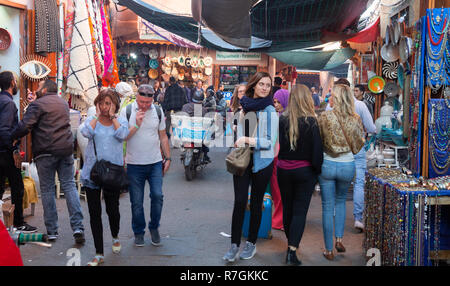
x: 194, y: 216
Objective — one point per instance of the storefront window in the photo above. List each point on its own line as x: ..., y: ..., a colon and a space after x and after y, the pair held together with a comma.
x: 232, y: 75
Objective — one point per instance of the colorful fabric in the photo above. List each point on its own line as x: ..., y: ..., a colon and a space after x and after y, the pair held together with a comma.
x: 95, y: 48
x: 82, y: 78
x: 68, y: 30
x: 111, y: 74
x: 9, y: 252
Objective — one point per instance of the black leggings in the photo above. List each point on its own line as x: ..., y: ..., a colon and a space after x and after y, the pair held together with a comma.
x: 296, y: 189
x: 259, y: 182
x: 95, y: 213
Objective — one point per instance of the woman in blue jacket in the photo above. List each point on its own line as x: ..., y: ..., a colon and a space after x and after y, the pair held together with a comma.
x: 109, y: 132
x: 257, y: 113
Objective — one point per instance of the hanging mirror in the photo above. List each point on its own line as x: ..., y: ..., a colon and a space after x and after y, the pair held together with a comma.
x: 35, y: 67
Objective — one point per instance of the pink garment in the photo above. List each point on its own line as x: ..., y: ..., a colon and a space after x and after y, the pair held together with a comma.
x: 293, y: 164
x: 277, y: 216
x: 108, y: 60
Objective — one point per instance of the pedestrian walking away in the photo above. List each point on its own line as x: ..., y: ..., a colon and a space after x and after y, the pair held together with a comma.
x: 299, y: 164
x: 145, y: 162
x: 342, y: 137
x: 174, y: 99
x: 10, y: 159
x: 47, y: 117
x: 257, y: 104
x: 106, y: 134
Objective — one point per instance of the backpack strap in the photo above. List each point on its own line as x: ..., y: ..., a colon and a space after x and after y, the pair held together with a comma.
x: 158, y: 111
x: 128, y: 112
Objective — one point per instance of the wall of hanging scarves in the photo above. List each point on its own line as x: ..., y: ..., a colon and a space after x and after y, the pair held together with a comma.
x: 402, y: 218
x: 89, y: 57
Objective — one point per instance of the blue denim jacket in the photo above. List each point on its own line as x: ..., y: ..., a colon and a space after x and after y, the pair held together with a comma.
x: 266, y: 137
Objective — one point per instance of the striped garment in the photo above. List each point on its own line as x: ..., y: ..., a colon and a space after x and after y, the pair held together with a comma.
x: 47, y: 27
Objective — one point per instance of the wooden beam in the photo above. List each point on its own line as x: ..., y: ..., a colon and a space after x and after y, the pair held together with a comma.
x: 13, y: 4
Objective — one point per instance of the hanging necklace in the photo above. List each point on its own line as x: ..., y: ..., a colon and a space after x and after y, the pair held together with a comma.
x: 437, y: 55
x: 438, y: 22
x: 430, y: 35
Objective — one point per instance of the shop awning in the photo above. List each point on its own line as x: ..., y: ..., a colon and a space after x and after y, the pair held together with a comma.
x: 314, y: 60
x: 276, y: 25
x: 155, y: 42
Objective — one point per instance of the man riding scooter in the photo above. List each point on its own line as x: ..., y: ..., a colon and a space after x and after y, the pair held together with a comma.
x: 190, y: 108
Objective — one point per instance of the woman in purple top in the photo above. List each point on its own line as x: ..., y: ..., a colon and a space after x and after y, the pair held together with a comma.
x: 280, y: 102
x: 299, y: 164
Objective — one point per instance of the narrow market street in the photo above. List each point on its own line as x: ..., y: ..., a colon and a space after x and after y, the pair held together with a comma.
x: 194, y: 216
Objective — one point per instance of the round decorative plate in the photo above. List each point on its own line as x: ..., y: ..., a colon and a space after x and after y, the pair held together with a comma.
x: 167, y: 61
x: 142, y: 72
x: 390, y: 70
x: 208, y: 71
x: 391, y: 89
x: 145, y: 50
x: 207, y: 61
x: 130, y: 72
x: 153, y: 73
x: 181, y: 60
x: 153, y: 53
x: 153, y: 64
x: 376, y: 84
x: 187, y: 62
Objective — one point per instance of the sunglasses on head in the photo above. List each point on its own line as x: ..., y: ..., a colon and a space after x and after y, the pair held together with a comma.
x: 146, y: 94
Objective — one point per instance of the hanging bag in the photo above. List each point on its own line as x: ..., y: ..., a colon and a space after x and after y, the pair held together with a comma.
x: 239, y: 158
x: 108, y: 175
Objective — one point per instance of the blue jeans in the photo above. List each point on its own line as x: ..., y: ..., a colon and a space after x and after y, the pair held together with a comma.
x: 358, y: 189
x: 137, y: 175
x: 334, y: 183
x: 46, y: 166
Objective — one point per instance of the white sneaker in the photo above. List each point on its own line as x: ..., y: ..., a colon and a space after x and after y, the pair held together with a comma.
x: 359, y: 225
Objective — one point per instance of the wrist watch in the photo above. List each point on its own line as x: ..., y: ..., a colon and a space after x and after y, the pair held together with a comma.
x: 168, y: 159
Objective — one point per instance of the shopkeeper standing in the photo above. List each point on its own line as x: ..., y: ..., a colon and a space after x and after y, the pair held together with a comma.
x: 10, y: 160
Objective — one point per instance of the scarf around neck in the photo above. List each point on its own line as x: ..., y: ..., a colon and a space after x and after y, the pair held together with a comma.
x: 255, y: 104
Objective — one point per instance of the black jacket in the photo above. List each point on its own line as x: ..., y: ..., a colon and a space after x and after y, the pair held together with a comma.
x: 309, y: 143
x: 48, y: 119
x: 8, y: 120
x: 174, y: 98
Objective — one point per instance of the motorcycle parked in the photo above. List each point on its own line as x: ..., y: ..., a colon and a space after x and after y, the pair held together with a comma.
x: 193, y: 159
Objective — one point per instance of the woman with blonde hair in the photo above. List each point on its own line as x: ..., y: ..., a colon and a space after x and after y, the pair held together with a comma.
x: 342, y: 136
x: 299, y: 164
x: 238, y: 93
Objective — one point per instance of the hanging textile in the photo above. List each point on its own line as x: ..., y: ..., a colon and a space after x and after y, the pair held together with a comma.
x: 98, y: 29
x: 111, y: 74
x: 68, y: 29
x: 95, y: 48
x: 367, y: 35
x: 47, y: 26
x: 82, y: 79
x: 61, y: 50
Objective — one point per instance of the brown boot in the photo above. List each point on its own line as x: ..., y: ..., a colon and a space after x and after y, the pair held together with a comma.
x: 328, y: 255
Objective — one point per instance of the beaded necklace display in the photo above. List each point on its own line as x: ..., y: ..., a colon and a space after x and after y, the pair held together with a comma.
x: 439, y: 131
x: 437, y: 51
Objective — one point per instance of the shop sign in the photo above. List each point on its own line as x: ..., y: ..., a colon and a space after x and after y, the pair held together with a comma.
x: 230, y: 56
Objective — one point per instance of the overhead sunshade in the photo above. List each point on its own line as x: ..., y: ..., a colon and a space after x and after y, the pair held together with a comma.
x: 281, y: 25
x: 314, y: 60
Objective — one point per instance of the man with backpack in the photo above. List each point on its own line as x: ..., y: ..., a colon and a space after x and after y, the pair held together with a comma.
x: 145, y: 162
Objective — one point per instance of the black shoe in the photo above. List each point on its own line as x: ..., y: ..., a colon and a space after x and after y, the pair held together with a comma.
x: 207, y: 159
x: 291, y: 258
x: 26, y: 228
x: 156, y: 240
x: 79, y: 236
x: 52, y: 236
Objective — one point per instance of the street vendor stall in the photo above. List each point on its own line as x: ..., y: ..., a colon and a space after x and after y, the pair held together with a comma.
x: 407, y: 218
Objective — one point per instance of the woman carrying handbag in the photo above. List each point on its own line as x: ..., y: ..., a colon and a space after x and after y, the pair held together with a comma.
x: 258, y: 117
x: 342, y: 136
x: 106, y: 133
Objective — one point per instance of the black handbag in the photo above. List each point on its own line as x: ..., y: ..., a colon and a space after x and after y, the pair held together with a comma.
x: 108, y: 175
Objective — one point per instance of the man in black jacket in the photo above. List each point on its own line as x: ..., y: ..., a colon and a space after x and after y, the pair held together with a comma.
x: 174, y: 99
x: 48, y: 119
x: 10, y: 160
